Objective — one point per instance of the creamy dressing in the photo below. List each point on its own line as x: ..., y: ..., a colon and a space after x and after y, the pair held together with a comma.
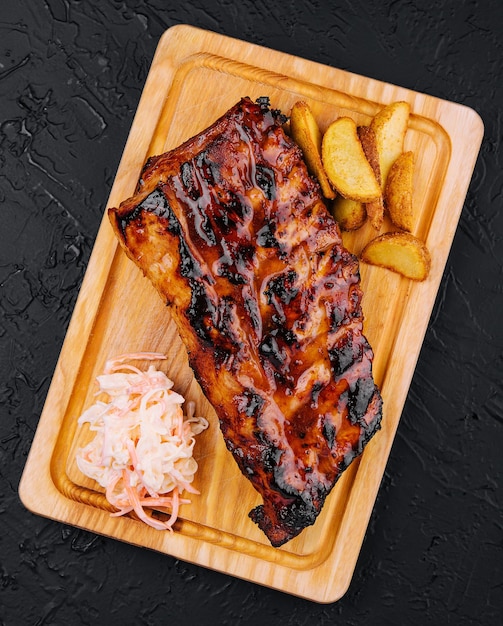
x: 142, y: 451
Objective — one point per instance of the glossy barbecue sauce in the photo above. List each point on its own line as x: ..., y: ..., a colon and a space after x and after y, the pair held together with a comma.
x: 272, y: 286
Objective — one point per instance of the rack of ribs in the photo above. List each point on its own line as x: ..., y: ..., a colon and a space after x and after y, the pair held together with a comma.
x: 234, y: 234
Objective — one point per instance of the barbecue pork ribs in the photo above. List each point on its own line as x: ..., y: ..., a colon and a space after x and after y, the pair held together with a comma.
x: 233, y: 233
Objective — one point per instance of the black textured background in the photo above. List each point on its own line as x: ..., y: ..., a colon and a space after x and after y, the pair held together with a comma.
x: 71, y: 74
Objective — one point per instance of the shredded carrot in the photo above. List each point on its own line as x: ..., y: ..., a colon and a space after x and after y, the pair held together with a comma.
x: 142, y: 450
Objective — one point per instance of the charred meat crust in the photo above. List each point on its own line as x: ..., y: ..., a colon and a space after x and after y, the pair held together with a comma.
x: 233, y: 233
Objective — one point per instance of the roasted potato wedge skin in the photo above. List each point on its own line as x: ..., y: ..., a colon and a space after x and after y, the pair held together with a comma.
x: 346, y: 164
x: 375, y: 213
x: 306, y: 133
x: 399, y: 252
x: 398, y: 191
x: 349, y: 214
x: 390, y: 126
x: 374, y: 209
x: 367, y: 138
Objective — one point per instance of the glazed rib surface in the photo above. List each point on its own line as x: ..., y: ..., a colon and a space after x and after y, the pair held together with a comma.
x: 233, y: 233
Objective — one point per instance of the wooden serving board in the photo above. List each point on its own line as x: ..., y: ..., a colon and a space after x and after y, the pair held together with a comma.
x: 195, y: 77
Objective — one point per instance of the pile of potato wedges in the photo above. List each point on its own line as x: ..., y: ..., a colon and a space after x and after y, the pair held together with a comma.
x: 364, y: 172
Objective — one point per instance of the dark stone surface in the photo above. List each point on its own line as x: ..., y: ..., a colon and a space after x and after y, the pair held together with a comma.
x: 71, y: 74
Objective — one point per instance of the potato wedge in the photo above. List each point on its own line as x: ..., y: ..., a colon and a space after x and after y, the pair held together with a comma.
x: 375, y: 213
x: 367, y: 138
x: 390, y: 126
x: 349, y: 214
x: 374, y: 209
x: 345, y: 163
x: 399, y: 252
x: 305, y: 132
x: 398, y: 191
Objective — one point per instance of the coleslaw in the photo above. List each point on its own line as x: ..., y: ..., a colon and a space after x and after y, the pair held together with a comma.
x: 142, y: 451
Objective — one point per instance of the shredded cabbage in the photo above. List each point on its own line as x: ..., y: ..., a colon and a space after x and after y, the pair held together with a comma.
x: 142, y: 449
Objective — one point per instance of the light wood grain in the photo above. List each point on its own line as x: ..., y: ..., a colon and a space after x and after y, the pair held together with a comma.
x: 195, y: 77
